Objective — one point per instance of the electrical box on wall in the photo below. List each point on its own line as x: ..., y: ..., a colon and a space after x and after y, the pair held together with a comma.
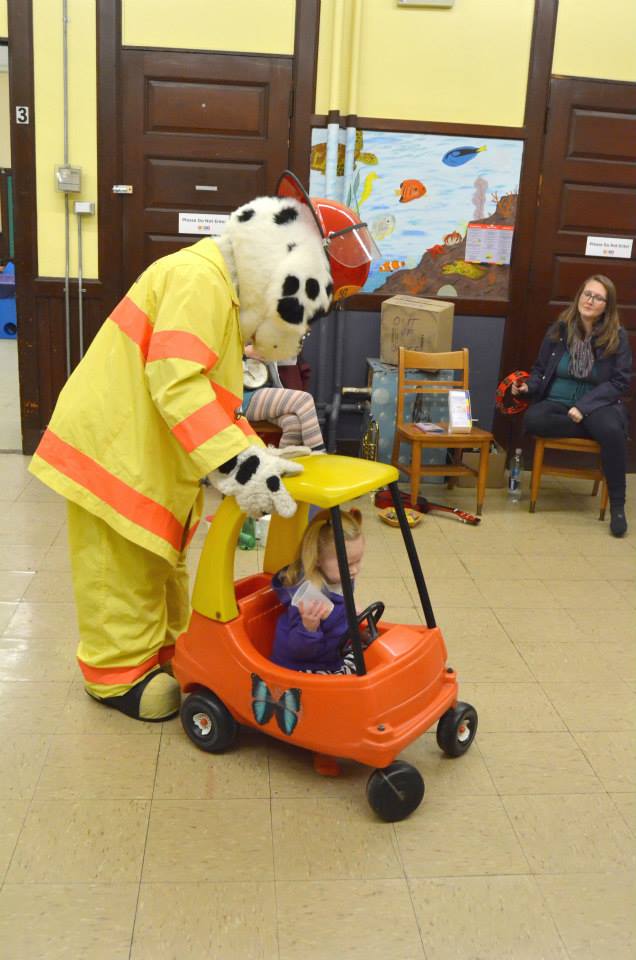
x: 86, y: 207
x: 425, y: 3
x: 68, y: 179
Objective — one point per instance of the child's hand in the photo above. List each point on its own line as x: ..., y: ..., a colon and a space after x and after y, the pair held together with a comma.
x: 312, y: 613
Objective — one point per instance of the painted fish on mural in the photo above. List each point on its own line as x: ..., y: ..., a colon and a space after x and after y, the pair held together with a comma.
x: 410, y: 190
x: 389, y: 265
x: 367, y: 188
x: 465, y: 269
x: 452, y: 239
x: 383, y: 226
x: 318, y: 156
x: 461, y: 155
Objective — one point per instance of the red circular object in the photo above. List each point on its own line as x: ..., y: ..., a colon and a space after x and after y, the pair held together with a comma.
x: 505, y: 402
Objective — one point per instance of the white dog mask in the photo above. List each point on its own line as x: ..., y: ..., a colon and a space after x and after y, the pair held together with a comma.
x: 275, y: 255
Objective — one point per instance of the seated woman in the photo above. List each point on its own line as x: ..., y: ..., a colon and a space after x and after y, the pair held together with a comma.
x: 578, y: 383
x: 294, y: 411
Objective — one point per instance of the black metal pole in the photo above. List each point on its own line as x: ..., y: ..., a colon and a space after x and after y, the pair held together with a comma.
x: 347, y: 591
x: 413, y: 557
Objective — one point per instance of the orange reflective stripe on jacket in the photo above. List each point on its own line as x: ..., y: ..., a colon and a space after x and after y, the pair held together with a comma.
x: 133, y: 322
x: 210, y: 419
x: 176, y: 344
x: 201, y: 425
x: 116, y: 675
x: 127, y: 501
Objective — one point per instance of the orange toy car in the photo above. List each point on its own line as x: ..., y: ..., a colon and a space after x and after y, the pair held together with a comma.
x: 402, y: 686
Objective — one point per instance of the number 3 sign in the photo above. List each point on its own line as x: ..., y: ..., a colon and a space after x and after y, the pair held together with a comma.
x: 21, y: 114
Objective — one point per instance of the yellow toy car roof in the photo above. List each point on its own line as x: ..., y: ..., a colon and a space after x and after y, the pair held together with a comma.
x: 330, y: 480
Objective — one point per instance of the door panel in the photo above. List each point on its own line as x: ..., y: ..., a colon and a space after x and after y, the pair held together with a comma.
x: 589, y: 209
x: 220, y: 108
x: 588, y: 188
x: 202, y: 133
x: 595, y: 135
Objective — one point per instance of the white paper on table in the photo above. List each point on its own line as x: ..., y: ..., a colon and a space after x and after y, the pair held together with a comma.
x: 459, y: 412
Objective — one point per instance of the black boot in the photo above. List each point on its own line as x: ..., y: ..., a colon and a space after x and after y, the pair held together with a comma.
x: 618, y: 521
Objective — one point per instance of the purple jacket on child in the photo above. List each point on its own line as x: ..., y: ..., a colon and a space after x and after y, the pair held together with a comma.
x: 299, y: 649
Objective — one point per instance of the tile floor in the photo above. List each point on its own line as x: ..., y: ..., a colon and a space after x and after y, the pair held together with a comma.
x: 121, y: 840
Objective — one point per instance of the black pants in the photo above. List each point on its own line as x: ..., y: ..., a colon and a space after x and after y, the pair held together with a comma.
x: 607, y: 426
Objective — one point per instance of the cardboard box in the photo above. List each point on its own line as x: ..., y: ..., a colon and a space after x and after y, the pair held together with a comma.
x: 496, y: 468
x: 416, y: 324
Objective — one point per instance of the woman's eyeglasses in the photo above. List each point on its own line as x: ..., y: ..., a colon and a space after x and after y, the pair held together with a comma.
x: 593, y: 297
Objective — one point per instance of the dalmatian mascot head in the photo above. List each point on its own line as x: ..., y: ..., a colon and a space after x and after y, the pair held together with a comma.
x: 290, y: 258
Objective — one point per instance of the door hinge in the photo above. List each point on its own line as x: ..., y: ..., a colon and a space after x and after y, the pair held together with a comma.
x: 291, y: 102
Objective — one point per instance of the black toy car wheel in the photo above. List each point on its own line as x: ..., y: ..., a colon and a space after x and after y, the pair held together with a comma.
x: 395, y: 791
x: 208, y: 722
x: 456, y: 729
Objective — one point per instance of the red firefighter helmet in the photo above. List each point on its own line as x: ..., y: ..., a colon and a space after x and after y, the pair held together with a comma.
x: 348, y: 243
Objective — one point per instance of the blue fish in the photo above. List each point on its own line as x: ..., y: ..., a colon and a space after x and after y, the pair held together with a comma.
x: 455, y: 158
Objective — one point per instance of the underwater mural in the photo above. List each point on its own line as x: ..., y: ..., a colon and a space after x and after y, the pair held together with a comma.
x: 419, y: 193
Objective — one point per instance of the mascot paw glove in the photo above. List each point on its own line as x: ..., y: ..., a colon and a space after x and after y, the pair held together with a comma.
x: 253, y: 479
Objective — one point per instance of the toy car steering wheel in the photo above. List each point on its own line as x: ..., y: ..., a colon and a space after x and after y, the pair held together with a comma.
x: 372, y: 614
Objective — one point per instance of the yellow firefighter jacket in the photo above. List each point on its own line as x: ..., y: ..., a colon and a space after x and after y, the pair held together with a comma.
x: 153, y: 406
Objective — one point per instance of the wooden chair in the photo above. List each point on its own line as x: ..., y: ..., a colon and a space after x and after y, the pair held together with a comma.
x: 456, y: 360
x: 574, y: 445
x: 269, y: 433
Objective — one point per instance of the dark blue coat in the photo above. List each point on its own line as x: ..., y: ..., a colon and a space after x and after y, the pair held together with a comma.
x: 613, y: 372
x: 299, y: 649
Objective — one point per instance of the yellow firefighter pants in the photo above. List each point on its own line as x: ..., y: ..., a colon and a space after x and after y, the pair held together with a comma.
x: 131, y: 605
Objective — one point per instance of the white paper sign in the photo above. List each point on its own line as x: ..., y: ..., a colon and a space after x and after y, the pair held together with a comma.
x: 609, y: 247
x: 488, y: 243
x: 459, y: 412
x: 211, y: 224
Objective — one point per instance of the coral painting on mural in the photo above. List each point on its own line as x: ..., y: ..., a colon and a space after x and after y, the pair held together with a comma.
x: 419, y: 193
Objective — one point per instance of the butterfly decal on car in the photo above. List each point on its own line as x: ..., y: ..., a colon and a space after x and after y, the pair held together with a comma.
x: 265, y: 705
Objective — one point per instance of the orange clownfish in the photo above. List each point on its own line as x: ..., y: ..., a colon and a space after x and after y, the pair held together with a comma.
x: 390, y: 265
x: 410, y: 190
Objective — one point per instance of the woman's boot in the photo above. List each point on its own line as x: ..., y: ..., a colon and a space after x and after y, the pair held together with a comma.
x: 618, y: 521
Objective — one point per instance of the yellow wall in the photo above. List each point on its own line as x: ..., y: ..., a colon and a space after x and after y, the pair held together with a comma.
x: 466, y: 64
x: 266, y: 26
x: 5, y: 144
x: 49, y: 129
x: 4, y: 30
x: 596, y: 39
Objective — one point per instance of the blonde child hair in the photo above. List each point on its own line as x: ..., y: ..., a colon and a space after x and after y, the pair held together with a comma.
x: 317, y: 538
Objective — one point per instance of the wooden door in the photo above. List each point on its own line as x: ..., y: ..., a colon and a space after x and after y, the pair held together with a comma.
x: 588, y: 189
x: 201, y: 133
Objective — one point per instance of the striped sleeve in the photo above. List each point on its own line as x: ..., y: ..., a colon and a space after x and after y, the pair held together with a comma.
x: 193, y: 310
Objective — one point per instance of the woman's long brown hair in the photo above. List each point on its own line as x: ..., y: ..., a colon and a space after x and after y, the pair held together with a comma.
x: 606, y: 327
